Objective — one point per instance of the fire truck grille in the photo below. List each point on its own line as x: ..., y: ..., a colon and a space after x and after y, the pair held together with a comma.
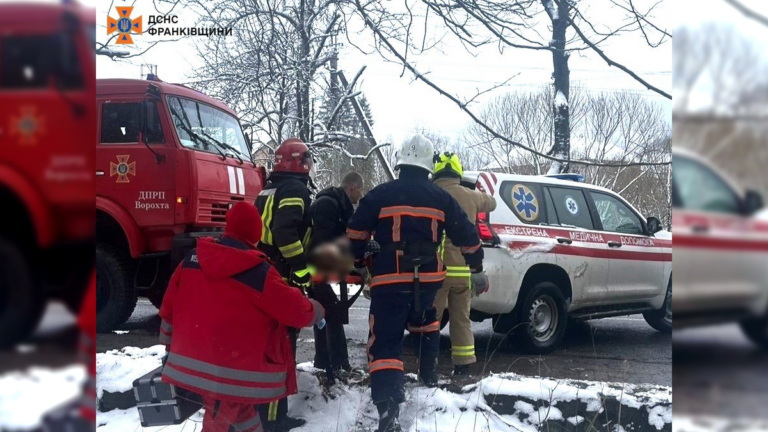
x: 215, y: 211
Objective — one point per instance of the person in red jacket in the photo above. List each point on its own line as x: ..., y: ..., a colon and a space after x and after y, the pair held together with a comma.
x: 225, y: 317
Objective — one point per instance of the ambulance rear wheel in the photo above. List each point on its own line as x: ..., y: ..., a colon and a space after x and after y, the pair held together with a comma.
x: 21, y: 299
x: 543, y: 317
x: 115, y: 291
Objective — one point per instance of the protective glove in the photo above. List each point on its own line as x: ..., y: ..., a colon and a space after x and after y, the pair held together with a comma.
x: 372, y: 248
x: 367, y: 292
x: 478, y: 282
x: 301, y: 278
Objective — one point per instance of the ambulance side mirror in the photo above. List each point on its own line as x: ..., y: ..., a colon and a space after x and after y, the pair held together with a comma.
x: 753, y: 202
x: 654, y: 225
x: 144, y: 113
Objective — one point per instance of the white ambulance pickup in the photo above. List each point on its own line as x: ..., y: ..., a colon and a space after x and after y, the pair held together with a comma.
x: 559, y: 249
x: 721, y: 250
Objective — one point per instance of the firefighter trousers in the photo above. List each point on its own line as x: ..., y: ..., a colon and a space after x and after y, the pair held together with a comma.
x: 278, y: 409
x: 227, y: 416
x: 390, y: 315
x: 457, y: 297
x: 331, y: 340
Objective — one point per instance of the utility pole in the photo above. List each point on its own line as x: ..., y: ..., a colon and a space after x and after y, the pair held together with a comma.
x: 367, y: 128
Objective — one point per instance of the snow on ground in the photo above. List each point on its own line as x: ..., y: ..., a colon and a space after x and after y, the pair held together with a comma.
x: 117, y: 369
x: 348, y: 407
x: 684, y: 423
x: 26, y: 396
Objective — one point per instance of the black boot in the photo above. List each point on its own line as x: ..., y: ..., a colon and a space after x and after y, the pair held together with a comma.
x: 284, y: 424
x: 389, y: 417
x: 461, y: 370
x: 428, y: 373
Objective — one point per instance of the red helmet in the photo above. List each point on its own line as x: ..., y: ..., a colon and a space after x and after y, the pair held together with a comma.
x: 293, y: 156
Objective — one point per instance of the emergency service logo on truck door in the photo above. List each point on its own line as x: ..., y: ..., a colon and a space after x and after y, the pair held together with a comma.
x: 28, y: 125
x: 525, y: 203
x: 122, y: 169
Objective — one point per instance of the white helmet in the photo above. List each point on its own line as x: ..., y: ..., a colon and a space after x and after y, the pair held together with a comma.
x: 417, y: 151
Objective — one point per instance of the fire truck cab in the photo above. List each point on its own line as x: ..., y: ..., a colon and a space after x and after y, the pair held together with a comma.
x: 47, y: 72
x: 170, y: 162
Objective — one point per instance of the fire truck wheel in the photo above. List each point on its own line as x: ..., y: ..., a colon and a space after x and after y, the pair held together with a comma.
x: 661, y: 320
x: 543, y: 316
x: 21, y: 299
x: 757, y: 331
x: 115, y: 291
x: 156, y: 299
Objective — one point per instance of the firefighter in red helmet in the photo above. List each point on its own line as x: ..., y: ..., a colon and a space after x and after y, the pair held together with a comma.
x: 284, y: 207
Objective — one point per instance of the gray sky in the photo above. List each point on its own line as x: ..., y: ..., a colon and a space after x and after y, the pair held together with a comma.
x: 401, y: 104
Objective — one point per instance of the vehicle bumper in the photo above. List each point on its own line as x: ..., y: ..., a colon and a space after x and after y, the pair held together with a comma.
x: 505, y: 275
x: 183, y: 243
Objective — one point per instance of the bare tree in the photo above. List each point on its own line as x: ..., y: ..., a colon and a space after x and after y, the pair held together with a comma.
x: 271, y: 68
x: 724, y: 69
x: 607, y: 128
x: 515, y: 25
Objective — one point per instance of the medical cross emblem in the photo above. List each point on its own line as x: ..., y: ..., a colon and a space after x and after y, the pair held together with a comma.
x: 124, y: 25
x: 122, y: 168
x: 526, y: 204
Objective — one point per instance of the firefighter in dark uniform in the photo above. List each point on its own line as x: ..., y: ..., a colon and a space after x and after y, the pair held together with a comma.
x: 408, y: 217
x: 287, y: 225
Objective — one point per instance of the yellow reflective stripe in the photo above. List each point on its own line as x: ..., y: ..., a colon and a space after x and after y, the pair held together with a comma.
x: 292, y: 249
x: 266, y: 218
x: 272, y: 414
x: 307, y: 236
x: 285, y: 202
x: 463, y: 351
x: 458, y: 271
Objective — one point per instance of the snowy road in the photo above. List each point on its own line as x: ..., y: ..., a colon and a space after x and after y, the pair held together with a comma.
x: 718, y: 372
x: 621, y: 349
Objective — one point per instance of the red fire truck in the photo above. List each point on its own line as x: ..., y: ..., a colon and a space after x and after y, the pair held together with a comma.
x: 170, y: 162
x: 47, y: 74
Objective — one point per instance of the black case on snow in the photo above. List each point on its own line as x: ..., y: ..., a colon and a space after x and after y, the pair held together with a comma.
x: 163, y: 404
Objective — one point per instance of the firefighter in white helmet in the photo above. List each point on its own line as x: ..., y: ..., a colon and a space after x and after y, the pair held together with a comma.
x: 407, y: 217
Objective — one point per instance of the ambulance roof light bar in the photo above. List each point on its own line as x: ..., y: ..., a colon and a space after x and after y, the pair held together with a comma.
x: 567, y: 176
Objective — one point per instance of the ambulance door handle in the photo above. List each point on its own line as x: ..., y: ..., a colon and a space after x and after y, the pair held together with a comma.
x: 99, y: 173
x: 563, y: 240
x: 614, y: 244
x: 700, y: 229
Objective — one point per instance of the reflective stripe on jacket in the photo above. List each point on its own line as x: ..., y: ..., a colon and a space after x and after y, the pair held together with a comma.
x: 287, y: 225
x: 225, y: 315
x: 472, y: 202
x: 410, y: 211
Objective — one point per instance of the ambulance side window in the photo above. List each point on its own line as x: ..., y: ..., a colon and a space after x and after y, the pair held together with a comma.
x: 615, y: 216
x: 571, y: 206
x: 120, y: 124
x: 25, y: 62
x: 526, y: 200
x: 698, y: 188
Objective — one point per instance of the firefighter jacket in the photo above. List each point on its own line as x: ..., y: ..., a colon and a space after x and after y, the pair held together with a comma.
x: 287, y: 225
x: 407, y: 214
x: 224, y: 316
x: 330, y: 212
x: 472, y: 202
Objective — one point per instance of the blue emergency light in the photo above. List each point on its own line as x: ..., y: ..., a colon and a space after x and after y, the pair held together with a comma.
x: 567, y: 176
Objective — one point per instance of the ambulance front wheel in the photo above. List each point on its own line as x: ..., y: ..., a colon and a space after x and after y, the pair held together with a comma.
x: 115, y: 289
x: 757, y: 331
x: 21, y: 299
x: 661, y: 320
x: 542, y: 319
